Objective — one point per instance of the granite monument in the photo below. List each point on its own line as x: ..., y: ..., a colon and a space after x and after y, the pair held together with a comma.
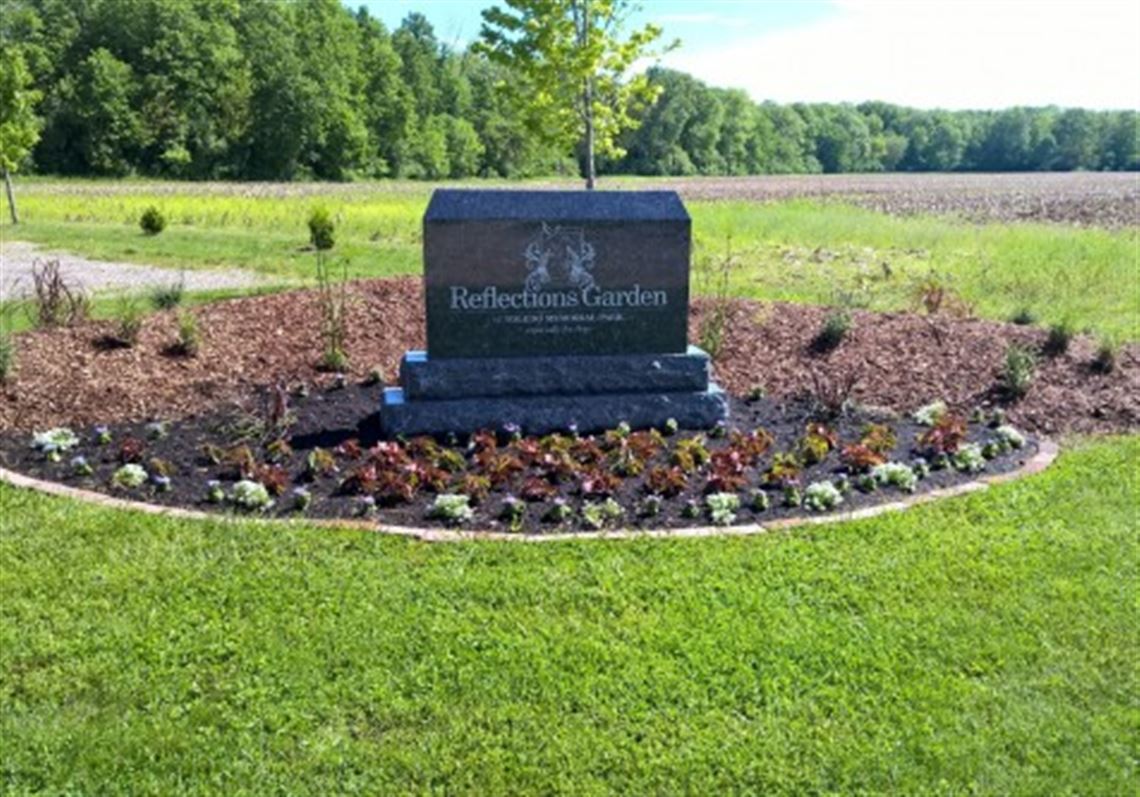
x: 547, y: 309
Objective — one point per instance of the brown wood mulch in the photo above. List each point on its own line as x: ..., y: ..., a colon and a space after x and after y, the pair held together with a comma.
x: 901, y: 361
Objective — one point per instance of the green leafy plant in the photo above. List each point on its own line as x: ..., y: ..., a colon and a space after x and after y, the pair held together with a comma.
x: 129, y: 476
x: 452, y: 508
x: 1009, y: 436
x: 321, y: 229
x: 969, y: 458
x: 152, y: 221
x: 896, y: 474
x: 722, y: 507
x: 784, y: 471
x: 822, y: 496
x: 1018, y: 370
x: 320, y: 462
x: 55, y: 442
x: 690, y: 453
x: 596, y: 514
x: 251, y: 495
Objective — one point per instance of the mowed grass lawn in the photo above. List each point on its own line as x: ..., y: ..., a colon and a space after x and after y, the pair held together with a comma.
x: 817, y: 252
x: 983, y: 645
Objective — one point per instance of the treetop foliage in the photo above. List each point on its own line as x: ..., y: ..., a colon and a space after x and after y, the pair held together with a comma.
x: 266, y: 89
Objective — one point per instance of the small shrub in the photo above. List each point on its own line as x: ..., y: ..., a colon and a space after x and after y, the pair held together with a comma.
x: 722, y: 508
x: 321, y: 229
x: 1018, y: 371
x: 822, y: 496
x: 189, y: 336
x: 1060, y: 336
x: 167, y: 297
x: 831, y: 396
x: 152, y: 221
x: 452, y: 508
x: 836, y: 325
x: 129, y: 476
x: 1023, y: 317
x: 715, y: 283
x: 1107, y: 349
x: 128, y: 322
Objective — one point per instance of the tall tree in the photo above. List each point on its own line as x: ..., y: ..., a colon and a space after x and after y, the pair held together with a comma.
x: 571, y: 61
x: 19, y: 126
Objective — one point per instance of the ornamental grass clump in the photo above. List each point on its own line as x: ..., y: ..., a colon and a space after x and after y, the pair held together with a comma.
x: 189, y: 339
x: 1060, y: 336
x: 169, y: 296
x: 128, y: 322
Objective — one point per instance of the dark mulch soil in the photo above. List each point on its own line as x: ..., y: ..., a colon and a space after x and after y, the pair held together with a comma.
x: 332, y: 417
x: 900, y: 360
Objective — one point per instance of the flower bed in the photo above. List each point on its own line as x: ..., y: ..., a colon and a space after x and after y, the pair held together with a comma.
x: 316, y: 453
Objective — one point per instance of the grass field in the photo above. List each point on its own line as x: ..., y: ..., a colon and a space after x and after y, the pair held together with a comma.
x: 798, y: 250
x: 981, y: 645
x: 986, y: 645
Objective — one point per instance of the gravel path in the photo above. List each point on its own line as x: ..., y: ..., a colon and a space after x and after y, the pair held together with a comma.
x: 17, y: 257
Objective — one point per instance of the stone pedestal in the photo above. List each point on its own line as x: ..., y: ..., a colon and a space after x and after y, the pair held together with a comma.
x: 547, y: 394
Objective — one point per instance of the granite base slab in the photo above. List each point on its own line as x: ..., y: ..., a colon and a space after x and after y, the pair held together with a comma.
x: 544, y: 414
x: 423, y: 377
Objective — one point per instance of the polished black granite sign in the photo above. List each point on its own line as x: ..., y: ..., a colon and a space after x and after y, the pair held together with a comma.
x: 518, y: 273
x: 549, y: 310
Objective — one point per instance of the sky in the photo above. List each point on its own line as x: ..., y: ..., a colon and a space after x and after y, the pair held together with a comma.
x: 950, y: 54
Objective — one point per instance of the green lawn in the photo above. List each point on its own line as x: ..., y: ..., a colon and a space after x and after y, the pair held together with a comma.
x: 983, y: 645
x: 798, y: 251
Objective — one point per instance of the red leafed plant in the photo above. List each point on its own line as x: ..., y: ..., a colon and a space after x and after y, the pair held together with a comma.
x: 751, y: 446
x: 501, y: 468
x: 598, y: 483
x: 945, y: 436
x: 666, y: 482
x: 858, y: 457
x: 349, y: 449
x: 537, y: 489
x: 393, y: 487
x: 726, y: 472
x: 131, y: 450
x: 274, y: 478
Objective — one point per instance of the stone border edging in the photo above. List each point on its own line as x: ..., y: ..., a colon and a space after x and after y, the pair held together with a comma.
x: 1046, y: 453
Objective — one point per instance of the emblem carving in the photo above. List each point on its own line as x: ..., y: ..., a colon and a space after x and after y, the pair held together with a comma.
x: 559, y: 257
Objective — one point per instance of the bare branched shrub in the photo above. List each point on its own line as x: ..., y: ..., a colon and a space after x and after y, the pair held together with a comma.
x: 332, y: 290
x: 831, y: 393
x: 55, y: 302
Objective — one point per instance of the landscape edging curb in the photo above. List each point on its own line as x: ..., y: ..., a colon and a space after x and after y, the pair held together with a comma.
x: 1046, y: 453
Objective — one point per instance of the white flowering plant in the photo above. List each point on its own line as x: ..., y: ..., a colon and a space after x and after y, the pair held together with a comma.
x: 969, y: 458
x: 896, y: 474
x: 129, y: 476
x: 451, y: 507
x: 251, y: 495
x: 822, y: 496
x: 929, y: 415
x: 722, y: 507
x: 55, y: 442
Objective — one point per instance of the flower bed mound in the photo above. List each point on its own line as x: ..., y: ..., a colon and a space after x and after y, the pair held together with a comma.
x: 898, y: 361
x: 317, y: 454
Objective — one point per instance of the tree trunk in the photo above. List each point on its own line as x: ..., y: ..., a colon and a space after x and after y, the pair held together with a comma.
x: 11, y: 198
x: 582, y: 18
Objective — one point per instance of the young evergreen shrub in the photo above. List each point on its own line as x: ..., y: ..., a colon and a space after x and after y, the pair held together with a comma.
x: 321, y: 229
x: 1024, y: 317
x: 1106, y: 350
x: 167, y: 297
x: 152, y: 221
x: 836, y: 325
x: 1018, y: 370
x: 189, y: 336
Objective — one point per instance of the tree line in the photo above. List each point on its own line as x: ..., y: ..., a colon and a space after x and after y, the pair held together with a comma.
x: 264, y: 89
